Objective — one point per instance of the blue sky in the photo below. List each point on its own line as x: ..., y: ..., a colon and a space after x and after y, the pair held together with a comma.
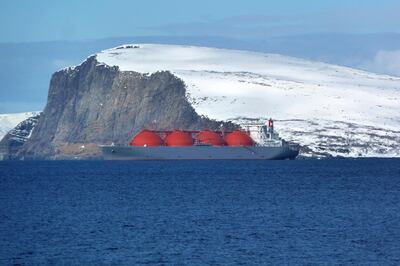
x: 44, y: 20
x: 362, y: 34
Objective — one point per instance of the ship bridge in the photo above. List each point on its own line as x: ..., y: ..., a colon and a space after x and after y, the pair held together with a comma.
x: 263, y: 133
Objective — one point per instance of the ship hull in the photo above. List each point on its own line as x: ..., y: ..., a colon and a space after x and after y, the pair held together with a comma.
x: 198, y: 153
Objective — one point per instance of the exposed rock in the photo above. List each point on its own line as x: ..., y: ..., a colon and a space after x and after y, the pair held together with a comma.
x: 16, y: 138
x: 94, y: 104
x: 325, y: 138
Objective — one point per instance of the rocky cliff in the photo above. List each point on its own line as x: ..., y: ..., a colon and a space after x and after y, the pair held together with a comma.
x: 94, y: 103
x: 12, y: 142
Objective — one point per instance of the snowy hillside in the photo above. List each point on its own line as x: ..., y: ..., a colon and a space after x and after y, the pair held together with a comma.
x: 9, y: 121
x: 331, y: 109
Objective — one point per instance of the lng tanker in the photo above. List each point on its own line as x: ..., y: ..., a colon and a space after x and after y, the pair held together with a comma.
x: 255, y: 142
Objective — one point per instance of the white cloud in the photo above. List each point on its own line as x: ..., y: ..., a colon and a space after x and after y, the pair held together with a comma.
x: 387, y: 62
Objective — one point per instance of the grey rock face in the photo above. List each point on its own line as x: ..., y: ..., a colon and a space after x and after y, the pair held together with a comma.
x: 95, y: 104
x: 16, y: 138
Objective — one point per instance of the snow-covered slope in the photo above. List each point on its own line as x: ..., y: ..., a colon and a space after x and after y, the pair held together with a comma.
x: 16, y: 137
x: 9, y: 121
x: 326, y: 103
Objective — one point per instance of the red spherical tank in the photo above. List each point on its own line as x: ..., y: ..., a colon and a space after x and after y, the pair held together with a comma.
x: 238, y: 138
x: 146, y: 138
x: 209, y: 138
x: 179, y: 138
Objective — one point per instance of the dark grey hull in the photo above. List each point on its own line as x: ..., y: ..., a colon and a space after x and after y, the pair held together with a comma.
x: 198, y: 153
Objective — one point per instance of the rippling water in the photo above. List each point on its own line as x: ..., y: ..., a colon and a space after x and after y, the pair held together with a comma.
x: 200, y: 212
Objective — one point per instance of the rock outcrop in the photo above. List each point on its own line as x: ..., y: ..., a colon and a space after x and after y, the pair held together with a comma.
x: 13, y: 141
x: 94, y: 104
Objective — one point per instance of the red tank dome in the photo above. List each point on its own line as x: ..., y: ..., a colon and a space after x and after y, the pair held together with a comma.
x: 210, y: 138
x: 179, y: 138
x: 238, y: 138
x: 146, y: 138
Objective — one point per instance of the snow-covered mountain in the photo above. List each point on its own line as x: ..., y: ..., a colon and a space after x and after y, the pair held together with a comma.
x: 333, y: 110
x: 16, y: 137
x: 9, y: 121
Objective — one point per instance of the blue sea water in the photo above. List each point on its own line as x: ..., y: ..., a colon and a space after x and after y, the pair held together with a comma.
x: 304, y: 212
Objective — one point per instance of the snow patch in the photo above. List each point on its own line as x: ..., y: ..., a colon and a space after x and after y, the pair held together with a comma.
x: 9, y: 121
x: 225, y: 84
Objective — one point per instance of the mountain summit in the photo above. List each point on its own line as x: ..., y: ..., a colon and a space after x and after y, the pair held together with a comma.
x: 330, y: 110
x: 333, y: 110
